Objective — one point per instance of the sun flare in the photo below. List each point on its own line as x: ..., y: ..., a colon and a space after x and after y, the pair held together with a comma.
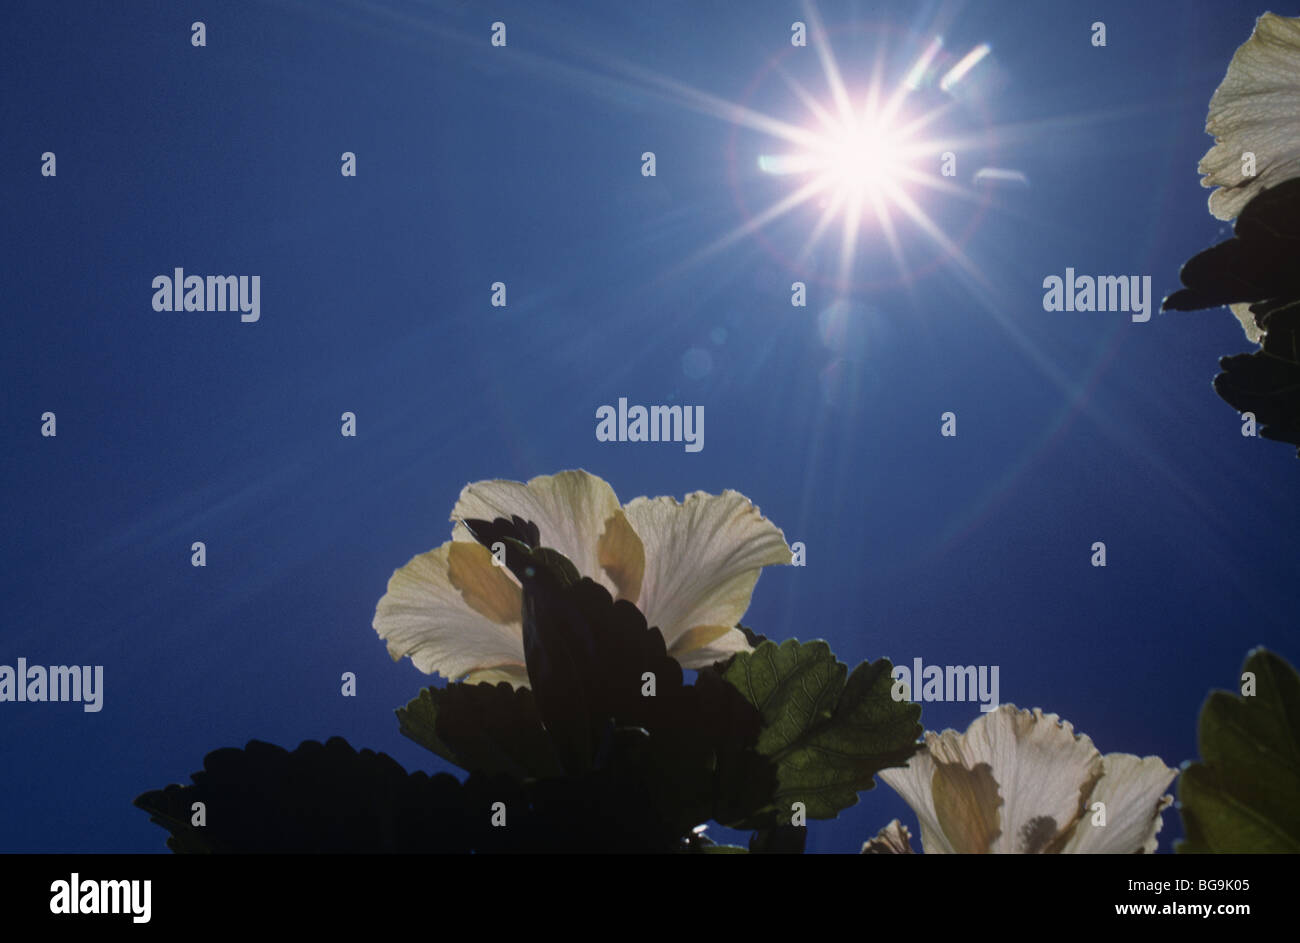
x: 862, y: 167
x: 868, y: 155
x: 859, y: 159
x: 872, y: 156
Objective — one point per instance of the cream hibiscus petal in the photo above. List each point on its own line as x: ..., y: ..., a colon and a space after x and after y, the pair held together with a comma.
x: 1132, y: 795
x: 489, y: 590
x: 1043, y: 770
x: 914, y: 783
x: 968, y: 806
x: 693, y: 651
x: 690, y: 567
x: 1254, y: 111
x: 1015, y: 782
x: 1241, y: 311
x: 571, y: 510
x: 514, y: 675
x: 1022, y: 782
x: 427, y: 616
x: 893, y: 839
x: 621, y: 555
x: 702, y: 559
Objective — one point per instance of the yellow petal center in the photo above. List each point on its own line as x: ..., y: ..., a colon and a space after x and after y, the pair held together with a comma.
x: 486, y: 588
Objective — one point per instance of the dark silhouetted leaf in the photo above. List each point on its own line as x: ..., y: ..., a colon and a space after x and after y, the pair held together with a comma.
x: 1260, y: 265
x: 320, y: 798
x: 482, y: 728
x: 332, y: 799
x: 516, y: 528
x: 608, y: 696
x: 1267, y: 381
x: 1257, y: 264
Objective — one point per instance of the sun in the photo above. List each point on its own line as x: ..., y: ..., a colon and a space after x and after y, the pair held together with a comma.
x: 862, y: 159
x: 872, y: 156
x: 859, y: 159
x: 867, y: 156
x: 861, y: 166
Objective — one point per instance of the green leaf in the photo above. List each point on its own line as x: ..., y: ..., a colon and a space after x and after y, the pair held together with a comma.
x: 482, y: 728
x: 828, y: 736
x: 1242, y: 796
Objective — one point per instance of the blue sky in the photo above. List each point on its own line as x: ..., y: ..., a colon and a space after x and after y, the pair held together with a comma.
x: 522, y: 164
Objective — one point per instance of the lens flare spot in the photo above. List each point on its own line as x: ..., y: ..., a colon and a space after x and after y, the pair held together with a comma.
x: 697, y: 363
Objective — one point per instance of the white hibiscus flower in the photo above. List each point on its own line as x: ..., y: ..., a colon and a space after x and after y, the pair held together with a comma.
x: 1023, y: 782
x: 690, y: 567
x: 1255, y: 109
